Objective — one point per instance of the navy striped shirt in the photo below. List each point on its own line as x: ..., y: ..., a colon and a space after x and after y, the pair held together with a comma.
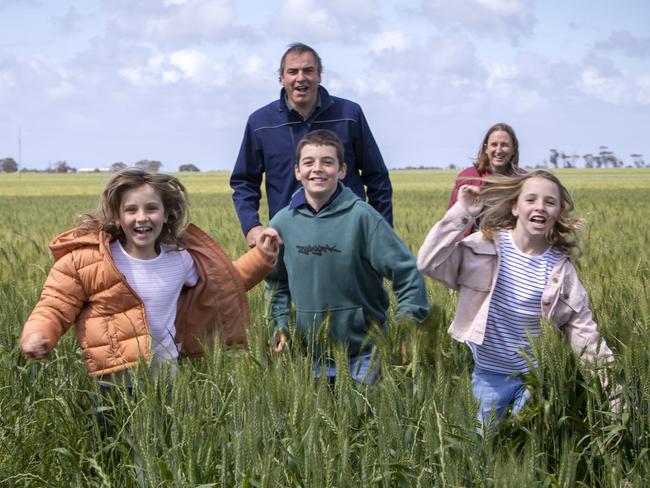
x: 515, y: 308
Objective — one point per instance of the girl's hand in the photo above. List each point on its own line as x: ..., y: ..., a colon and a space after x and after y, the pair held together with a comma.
x: 269, y: 240
x: 280, y: 342
x: 469, y: 197
x: 35, y: 346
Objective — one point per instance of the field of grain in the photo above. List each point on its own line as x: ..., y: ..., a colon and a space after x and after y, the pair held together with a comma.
x: 255, y: 420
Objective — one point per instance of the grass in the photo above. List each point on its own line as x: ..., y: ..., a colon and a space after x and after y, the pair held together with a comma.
x: 252, y: 419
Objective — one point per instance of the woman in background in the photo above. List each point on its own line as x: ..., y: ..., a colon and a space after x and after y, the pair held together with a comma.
x: 497, y: 155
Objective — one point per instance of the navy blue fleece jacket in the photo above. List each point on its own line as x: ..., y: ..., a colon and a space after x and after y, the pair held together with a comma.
x: 269, y: 146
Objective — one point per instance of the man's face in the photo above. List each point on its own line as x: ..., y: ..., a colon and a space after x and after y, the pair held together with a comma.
x: 300, y: 80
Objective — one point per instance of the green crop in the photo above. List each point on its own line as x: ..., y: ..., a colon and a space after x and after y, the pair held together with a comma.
x: 253, y: 419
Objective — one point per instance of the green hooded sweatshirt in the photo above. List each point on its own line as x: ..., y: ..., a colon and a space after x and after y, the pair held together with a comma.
x: 332, y: 266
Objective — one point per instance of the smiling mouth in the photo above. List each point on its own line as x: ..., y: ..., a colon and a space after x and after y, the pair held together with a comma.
x: 538, y: 219
x: 143, y: 229
x: 301, y: 89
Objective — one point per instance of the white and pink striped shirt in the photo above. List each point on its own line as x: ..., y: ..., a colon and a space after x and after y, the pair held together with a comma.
x: 158, y: 282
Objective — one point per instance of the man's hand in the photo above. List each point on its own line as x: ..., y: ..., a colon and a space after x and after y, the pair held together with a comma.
x: 254, y: 234
x: 35, y: 346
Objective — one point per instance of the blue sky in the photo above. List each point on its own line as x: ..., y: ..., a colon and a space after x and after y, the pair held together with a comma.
x: 94, y: 82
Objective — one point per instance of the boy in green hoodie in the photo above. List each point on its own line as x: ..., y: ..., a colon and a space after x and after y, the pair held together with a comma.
x: 337, y: 251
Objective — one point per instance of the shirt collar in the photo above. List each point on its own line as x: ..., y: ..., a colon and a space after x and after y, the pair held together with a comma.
x: 299, y: 200
x: 291, y: 108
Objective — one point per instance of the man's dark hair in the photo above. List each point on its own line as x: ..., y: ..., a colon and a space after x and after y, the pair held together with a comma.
x: 299, y: 48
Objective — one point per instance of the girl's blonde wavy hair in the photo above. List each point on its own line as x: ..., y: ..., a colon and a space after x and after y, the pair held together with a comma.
x: 170, y: 190
x: 501, y: 193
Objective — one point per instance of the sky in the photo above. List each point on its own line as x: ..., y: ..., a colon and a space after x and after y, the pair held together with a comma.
x: 95, y: 82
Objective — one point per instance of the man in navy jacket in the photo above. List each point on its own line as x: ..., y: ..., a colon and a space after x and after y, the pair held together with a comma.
x: 273, y: 132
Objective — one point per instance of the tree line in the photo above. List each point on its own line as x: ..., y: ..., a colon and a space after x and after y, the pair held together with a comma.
x: 9, y: 165
x: 604, y: 158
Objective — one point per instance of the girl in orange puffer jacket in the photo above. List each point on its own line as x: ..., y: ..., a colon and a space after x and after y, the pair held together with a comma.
x: 138, y: 281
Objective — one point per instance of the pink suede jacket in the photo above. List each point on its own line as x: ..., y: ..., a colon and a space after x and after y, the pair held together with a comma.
x: 471, y: 265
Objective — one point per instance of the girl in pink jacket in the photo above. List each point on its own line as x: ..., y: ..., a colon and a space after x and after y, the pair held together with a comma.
x: 514, y: 271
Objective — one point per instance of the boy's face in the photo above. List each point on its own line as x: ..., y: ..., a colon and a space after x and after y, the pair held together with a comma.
x: 319, y: 170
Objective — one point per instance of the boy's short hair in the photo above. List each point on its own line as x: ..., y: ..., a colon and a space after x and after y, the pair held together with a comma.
x: 321, y: 137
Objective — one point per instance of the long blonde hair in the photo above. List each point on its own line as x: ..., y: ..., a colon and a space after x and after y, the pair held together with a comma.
x: 170, y: 190
x: 501, y: 193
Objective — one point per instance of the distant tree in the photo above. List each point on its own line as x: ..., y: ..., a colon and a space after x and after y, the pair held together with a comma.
x: 589, y: 160
x: 149, y: 165
x: 188, y: 167
x: 452, y: 166
x: 565, y: 160
x: 638, y: 160
x: 552, y: 159
x: 8, y: 165
x: 608, y: 158
x: 62, y: 167
x: 115, y: 167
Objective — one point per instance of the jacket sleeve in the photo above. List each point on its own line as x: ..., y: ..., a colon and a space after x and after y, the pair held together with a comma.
x: 463, y: 178
x: 254, y: 266
x: 440, y: 255
x: 454, y: 193
x: 580, y: 330
x: 278, y: 295
x: 246, y: 181
x: 390, y: 257
x: 374, y: 173
x: 61, y: 301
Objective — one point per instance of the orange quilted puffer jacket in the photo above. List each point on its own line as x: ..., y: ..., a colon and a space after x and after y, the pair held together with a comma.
x: 85, y: 287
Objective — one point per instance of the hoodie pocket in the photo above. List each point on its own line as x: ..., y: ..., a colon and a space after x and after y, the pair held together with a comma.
x: 344, y: 324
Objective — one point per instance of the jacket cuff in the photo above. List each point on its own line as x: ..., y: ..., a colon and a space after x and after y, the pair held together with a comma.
x: 459, y: 216
x: 254, y: 266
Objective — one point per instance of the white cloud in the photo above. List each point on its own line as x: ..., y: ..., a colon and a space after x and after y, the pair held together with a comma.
x: 193, y: 64
x: 617, y: 90
x: 333, y: 20
x: 187, y: 65
x: 510, y: 19
x: 389, y: 40
x: 192, y: 20
x: 503, y: 7
x: 499, y: 73
x: 643, y: 82
x: 626, y: 42
x: 171, y: 22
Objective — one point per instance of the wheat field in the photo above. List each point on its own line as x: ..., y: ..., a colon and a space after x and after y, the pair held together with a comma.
x: 251, y: 419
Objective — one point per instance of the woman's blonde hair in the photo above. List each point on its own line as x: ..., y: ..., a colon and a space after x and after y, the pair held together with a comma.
x: 171, y: 191
x: 501, y: 193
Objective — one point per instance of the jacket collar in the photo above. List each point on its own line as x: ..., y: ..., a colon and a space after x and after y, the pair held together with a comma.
x: 343, y: 201
x: 323, y: 96
x: 70, y: 240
